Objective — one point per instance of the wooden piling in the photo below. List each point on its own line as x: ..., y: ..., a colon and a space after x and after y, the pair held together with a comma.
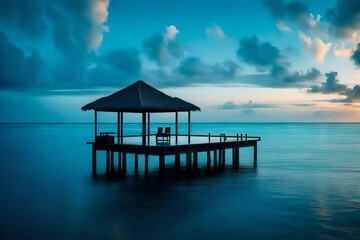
x: 107, y: 162
x: 195, y: 160
x: 124, y: 170
x: 136, y: 162
x: 146, y: 165
x: 188, y: 161
x: 177, y: 161
x: 161, y: 163
x: 255, y: 155
x: 112, y: 162
x: 119, y: 163
x: 223, y: 158
x: 208, y: 164
x: 215, y: 161
x: 93, y: 161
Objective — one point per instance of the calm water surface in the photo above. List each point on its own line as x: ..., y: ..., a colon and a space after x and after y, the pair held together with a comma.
x: 307, y: 185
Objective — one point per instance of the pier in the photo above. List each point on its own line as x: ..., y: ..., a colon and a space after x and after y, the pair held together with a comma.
x: 144, y: 99
x: 215, y: 148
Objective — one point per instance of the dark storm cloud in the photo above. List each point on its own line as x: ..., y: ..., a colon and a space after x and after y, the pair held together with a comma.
x: 344, y: 18
x: 263, y: 56
x: 192, y: 67
x: 126, y: 60
x: 75, y: 27
x: 227, y: 69
x: 268, y: 58
x: 17, y: 69
x: 69, y: 31
x: 114, y: 66
x: 353, y: 94
x: 27, y: 15
x: 331, y: 85
x: 311, y: 74
x: 356, y: 55
x: 160, y: 49
x: 294, y: 11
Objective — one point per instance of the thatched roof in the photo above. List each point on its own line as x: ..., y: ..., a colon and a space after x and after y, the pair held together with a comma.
x: 139, y: 98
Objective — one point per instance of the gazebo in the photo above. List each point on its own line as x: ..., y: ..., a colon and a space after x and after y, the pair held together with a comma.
x: 140, y: 98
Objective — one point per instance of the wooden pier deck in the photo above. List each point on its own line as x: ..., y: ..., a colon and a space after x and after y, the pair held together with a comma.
x: 214, y: 146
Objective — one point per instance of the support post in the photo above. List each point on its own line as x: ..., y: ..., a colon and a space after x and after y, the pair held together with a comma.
x: 136, y: 163
x: 223, y: 158
x: 95, y: 125
x: 122, y: 127
x: 93, y: 160
x: 220, y: 158
x: 233, y: 157
x: 148, y: 127
x: 124, y: 164
x: 107, y: 162
x: 146, y: 165
x: 118, y: 127
x: 255, y: 155
x: 188, y: 162
x: 112, y: 162
x: 195, y: 160
x: 189, y: 125
x: 177, y: 161
x: 161, y: 164
x: 176, y: 126
x: 237, y: 157
x: 144, y: 128
x: 215, y: 161
x: 119, y: 163
x: 208, y: 165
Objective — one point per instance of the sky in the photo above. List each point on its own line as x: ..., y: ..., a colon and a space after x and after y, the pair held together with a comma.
x: 239, y: 61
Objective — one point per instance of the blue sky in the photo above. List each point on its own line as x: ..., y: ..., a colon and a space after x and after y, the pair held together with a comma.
x: 245, y: 60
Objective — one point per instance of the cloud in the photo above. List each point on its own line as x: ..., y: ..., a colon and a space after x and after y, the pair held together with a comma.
x: 116, y: 65
x: 268, y: 58
x: 353, y: 94
x: 26, y: 15
x: 306, y: 40
x: 249, y: 105
x: 281, y: 25
x: 331, y: 85
x: 263, y: 56
x: 215, y: 31
x: 192, y: 67
x: 340, y: 50
x: 77, y: 30
x: 311, y: 74
x: 18, y: 69
x: 304, y: 105
x: 316, y: 46
x: 79, y: 22
x: 171, y: 32
x: 227, y: 69
x: 344, y: 19
x: 160, y: 48
x: 293, y: 12
x: 356, y: 55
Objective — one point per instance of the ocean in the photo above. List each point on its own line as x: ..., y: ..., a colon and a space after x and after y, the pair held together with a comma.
x: 306, y: 186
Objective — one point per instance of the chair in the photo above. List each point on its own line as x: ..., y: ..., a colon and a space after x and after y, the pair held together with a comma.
x: 163, y: 136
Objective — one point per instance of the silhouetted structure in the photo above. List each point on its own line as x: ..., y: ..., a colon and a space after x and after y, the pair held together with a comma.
x: 142, y: 98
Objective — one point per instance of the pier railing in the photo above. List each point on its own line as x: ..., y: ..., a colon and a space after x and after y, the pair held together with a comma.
x: 210, y: 137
